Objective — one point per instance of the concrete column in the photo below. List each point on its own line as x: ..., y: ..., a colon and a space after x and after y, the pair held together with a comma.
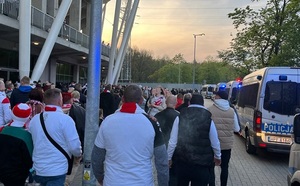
x: 75, y: 14
x: 114, y: 42
x: 125, y: 40
x: 76, y: 73
x: 52, y: 70
x: 24, y: 38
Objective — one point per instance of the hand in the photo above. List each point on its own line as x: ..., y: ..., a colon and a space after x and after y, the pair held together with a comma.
x: 170, y: 164
x: 217, y: 162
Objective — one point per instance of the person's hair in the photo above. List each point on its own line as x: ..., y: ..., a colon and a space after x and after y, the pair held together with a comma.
x: 25, y: 80
x: 36, y: 94
x: 187, y: 97
x: 51, y: 96
x: 108, y: 87
x: 75, y: 94
x: 78, y: 87
x: 179, y: 95
x: 197, y: 99
x: 9, y: 86
x: 2, y: 86
x: 132, y: 93
x: 171, y: 101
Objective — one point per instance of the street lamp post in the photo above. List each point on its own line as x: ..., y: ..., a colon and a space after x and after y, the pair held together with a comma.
x: 194, y: 69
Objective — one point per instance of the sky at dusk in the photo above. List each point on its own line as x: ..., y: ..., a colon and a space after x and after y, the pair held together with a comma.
x: 166, y: 27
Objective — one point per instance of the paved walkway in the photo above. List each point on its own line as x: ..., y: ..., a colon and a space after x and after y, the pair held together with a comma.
x: 263, y: 169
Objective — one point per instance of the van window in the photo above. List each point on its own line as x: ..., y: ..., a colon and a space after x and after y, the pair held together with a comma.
x: 281, y: 97
x: 248, y: 95
x: 234, y: 95
x: 210, y: 89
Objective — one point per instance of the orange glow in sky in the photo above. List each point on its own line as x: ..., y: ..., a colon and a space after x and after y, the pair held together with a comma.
x: 166, y: 27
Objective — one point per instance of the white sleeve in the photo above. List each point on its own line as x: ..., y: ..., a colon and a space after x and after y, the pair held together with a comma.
x: 214, y: 140
x: 7, y: 114
x: 99, y: 141
x: 236, y: 123
x: 173, y: 138
x: 72, y: 137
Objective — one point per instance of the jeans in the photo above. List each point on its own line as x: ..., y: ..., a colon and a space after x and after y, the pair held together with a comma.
x: 225, y: 157
x: 196, y: 174
x: 51, y: 180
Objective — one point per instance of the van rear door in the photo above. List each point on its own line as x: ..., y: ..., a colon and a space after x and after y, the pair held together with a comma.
x: 280, y: 102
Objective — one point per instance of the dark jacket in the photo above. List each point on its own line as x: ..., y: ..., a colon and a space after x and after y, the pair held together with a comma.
x: 194, y: 145
x: 183, y: 105
x: 107, y: 103
x: 77, y: 113
x: 20, y: 95
x: 15, y: 155
x: 166, y: 119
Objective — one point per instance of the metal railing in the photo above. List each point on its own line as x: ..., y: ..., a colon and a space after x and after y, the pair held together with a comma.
x: 44, y: 21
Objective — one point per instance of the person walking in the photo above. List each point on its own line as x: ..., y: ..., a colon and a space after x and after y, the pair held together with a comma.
x: 197, y: 145
x: 186, y: 101
x: 127, y: 140
x: 49, y: 163
x: 166, y: 119
x: 20, y: 94
x: 107, y: 101
x: 5, y: 111
x: 16, y: 148
x: 226, y: 123
x: 158, y: 102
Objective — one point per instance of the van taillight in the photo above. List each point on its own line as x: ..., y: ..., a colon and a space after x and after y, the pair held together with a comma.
x: 257, y: 121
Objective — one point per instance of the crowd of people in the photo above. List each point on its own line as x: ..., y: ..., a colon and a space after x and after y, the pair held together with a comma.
x: 43, y: 125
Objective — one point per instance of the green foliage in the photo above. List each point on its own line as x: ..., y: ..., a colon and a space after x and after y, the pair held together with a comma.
x: 213, y: 72
x: 177, y: 70
x: 267, y: 37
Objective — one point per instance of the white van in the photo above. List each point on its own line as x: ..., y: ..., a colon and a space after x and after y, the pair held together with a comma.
x: 207, y: 90
x: 220, y: 86
x: 267, y: 103
x: 232, y: 89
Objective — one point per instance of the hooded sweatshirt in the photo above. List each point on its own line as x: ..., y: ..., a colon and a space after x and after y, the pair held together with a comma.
x: 20, y: 95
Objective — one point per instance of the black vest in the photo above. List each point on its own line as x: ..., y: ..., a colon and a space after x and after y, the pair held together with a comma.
x: 193, y: 144
x: 166, y: 119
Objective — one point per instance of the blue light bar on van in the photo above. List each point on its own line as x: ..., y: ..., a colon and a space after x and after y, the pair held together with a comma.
x: 283, y: 77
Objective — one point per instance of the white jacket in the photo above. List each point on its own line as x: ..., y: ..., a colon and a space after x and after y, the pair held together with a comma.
x: 5, y: 111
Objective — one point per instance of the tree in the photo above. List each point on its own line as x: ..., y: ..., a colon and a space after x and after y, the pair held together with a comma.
x: 266, y: 37
x: 213, y: 72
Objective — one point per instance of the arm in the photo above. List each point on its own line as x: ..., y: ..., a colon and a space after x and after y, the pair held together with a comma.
x: 74, y: 145
x: 214, y: 140
x: 6, y: 110
x: 236, y: 123
x: 160, y: 155
x: 98, y: 157
x: 173, y: 138
x: 162, y: 165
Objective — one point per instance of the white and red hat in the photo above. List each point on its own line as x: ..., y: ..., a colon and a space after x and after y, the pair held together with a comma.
x: 21, y: 112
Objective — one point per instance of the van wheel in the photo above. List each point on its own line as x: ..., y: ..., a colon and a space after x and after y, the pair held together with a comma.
x: 249, y: 147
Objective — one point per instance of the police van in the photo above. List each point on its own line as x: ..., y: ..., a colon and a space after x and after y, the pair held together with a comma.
x: 233, y: 89
x: 207, y: 90
x: 267, y: 103
x: 220, y: 86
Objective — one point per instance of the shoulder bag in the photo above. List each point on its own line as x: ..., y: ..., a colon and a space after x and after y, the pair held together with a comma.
x: 70, y: 160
